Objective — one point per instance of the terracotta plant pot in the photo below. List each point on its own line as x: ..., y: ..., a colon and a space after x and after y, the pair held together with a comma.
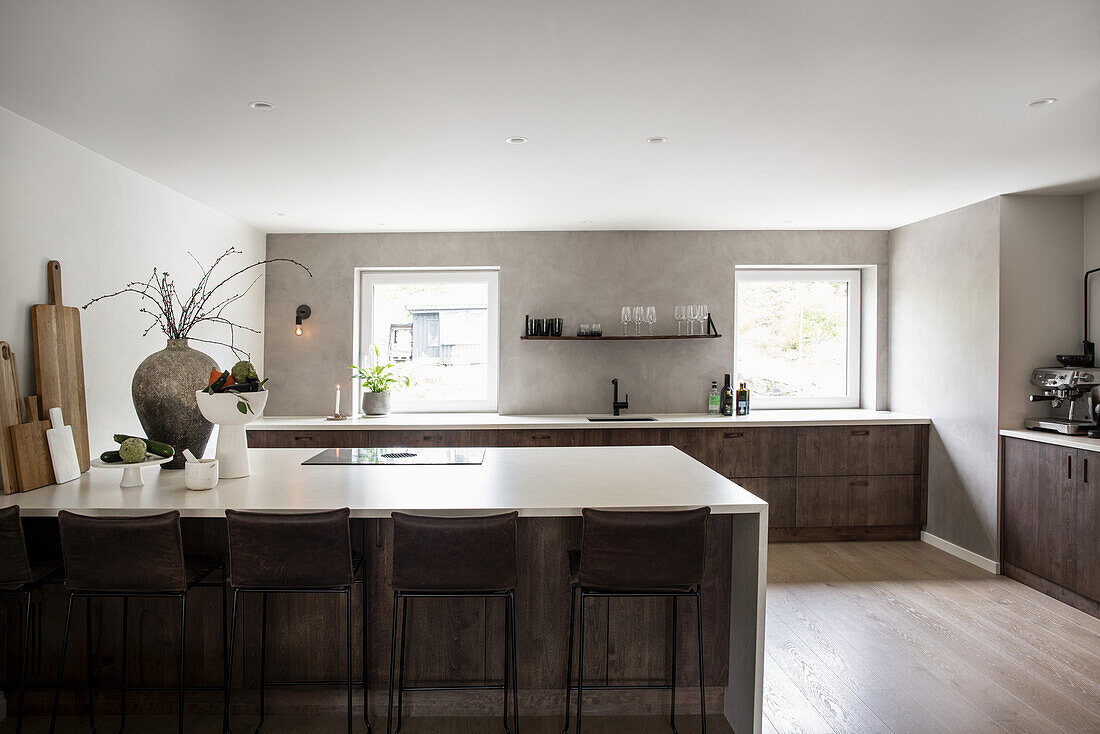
x: 376, y: 403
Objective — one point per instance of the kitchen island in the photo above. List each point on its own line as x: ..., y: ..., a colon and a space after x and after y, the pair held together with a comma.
x: 548, y: 486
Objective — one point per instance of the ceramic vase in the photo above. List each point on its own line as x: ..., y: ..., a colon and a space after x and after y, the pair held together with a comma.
x: 163, y: 390
x: 376, y: 403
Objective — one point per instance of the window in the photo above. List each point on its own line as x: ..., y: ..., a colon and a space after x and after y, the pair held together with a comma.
x: 797, y: 337
x: 440, y: 328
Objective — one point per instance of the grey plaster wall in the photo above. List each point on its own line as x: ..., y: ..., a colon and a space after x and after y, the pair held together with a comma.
x: 943, y: 314
x: 581, y: 276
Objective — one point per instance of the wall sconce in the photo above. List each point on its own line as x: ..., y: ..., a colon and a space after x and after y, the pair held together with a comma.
x: 300, y: 314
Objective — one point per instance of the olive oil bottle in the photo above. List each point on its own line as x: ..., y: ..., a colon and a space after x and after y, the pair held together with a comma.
x: 727, y: 396
x: 743, y: 399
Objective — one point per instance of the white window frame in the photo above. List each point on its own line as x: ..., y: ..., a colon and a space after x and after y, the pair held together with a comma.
x: 367, y: 278
x: 773, y: 274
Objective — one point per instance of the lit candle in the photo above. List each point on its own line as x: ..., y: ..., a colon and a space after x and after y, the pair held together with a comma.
x: 337, y: 401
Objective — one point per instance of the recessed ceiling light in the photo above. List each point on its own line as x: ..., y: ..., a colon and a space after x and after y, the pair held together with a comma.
x: 586, y: 221
x: 278, y: 214
x: 1043, y: 102
x: 516, y: 140
x: 379, y: 224
x: 262, y: 106
x: 657, y: 139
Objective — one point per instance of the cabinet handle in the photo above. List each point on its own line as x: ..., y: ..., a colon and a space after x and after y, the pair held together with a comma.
x: 1069, y: 466
x: 859, y: 433
x: 859, y: 483
x: 1085, y: 472
x: 739, y: 434
x: 540, y: 437
x: 430, y: 438
x: 303, y: 438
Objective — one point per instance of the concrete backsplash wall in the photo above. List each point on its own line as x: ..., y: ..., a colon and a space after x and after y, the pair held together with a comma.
x: 580, y: 276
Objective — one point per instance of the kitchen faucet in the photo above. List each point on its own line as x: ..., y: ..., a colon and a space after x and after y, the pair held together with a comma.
x: 616, y: 406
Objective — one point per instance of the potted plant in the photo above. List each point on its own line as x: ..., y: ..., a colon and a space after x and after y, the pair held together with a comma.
x: 376, y: 381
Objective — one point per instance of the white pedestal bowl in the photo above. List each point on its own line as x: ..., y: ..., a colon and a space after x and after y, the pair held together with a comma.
x: 232, y: 451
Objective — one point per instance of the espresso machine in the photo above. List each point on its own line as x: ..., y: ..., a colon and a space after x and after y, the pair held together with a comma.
x: 1068, y: 392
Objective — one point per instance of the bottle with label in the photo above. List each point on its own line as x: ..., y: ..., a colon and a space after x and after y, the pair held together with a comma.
x: 743, y: 399
x: 714, y: 399
x: 727, y: 397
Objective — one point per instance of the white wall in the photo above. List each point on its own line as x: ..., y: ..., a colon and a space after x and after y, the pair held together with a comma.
x: 1041, y: 304
x: 943, y: 324
x: 1091, y: 236
x: 107, y: 225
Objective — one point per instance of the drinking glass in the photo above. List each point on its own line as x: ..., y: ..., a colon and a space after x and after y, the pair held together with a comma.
x: 597, y: 330
x: 584, y: 330
x: 626, y: 318
x: 650, y: 317
x: 692, y: 314
x: 704, y: 312
x: 678, y: 314
x: 639, y: 316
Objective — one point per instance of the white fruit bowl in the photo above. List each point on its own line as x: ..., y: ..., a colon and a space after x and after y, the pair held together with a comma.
x: 232, y: 452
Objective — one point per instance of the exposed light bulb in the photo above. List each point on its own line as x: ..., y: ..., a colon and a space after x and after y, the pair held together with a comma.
x: 298, y: 331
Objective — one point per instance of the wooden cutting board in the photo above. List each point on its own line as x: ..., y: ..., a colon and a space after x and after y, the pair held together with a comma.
x: 59, y: 362
x: 11, y: 414
x: 33, y: 466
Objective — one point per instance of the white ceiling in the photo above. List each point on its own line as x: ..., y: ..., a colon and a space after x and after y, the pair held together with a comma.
x: 778, y: 114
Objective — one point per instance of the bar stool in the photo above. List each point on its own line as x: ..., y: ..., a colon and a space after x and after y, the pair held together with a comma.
x: 129, y: 557
x: 638, y: 554
x: 19, y: 578
x: 449, y: 557
x: 300, y: 553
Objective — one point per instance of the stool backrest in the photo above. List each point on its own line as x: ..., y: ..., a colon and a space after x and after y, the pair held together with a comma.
x: 15, y: 568
x: 123, y: 554
x: 454, y: 554
x: 269, y: 550
x: 662, y: 550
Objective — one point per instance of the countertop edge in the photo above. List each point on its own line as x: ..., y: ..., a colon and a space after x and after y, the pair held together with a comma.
x: 1054, y: 439
x: 550, y: 422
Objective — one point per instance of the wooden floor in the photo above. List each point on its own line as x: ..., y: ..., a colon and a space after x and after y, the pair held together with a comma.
x: 861, y: 637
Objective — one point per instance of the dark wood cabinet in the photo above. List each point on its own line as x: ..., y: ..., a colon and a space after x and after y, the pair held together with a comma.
x: 826, y: 451
x: 1049, y: 519
x: 821, y: 482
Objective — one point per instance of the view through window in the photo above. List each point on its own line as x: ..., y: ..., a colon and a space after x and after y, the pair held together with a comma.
x: 439, y: 329
x: 797, y: 337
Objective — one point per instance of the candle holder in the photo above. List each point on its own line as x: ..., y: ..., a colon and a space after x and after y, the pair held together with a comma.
x: 337, y: 417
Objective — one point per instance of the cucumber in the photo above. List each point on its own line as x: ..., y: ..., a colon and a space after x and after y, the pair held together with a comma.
x: 154, y: 447
x: 110, y: 457
x: 217, y: 384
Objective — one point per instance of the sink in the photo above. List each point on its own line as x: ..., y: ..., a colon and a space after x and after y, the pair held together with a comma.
x: 602, y: 419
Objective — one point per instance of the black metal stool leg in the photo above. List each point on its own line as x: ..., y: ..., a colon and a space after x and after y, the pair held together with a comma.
x: 569, y: 655
x: 675, y: 629
x: 25, y: 629
x: 702, y: 685
x: 122, y: 692
x: 580, y: 666
x: 401, y: 669
x: 507, y: 637
x: 183, y: 654
x: 61, y: 665
x: 91, y: 664
x: 263, y: 661
x: 515, y: 666
x: 229, y: 665
x: 393, y: 657
x: 351, y: 715
x: 225, y: 626
x: 366, y: 652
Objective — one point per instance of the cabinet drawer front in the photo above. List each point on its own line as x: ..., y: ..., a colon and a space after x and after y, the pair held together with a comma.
x: 778, y: 492
x: 863, y: 501
x: 858, y: 450
x: 756, y: 452
x: 418, y: 439
x: 557, y: 437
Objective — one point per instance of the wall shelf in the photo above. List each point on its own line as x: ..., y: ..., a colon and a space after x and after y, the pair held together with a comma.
x: 620, y: 338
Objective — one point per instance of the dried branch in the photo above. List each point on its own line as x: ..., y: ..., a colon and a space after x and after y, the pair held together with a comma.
x: 177, y: 317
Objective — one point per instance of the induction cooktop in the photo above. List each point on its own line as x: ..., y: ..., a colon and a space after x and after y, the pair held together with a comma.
x: 396, y: 457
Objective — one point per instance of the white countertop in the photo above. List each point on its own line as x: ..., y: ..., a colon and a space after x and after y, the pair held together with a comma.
x: 1055, y: 439
x: 460, y: 421
x: 539, y: 482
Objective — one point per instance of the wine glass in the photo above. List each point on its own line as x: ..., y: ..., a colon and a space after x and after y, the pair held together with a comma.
x: 692, y: 314
x: 704, y: 312
x: 639, y: 316
x: 650, y: 317
x: 626, y: 318
x: 678, y: 314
